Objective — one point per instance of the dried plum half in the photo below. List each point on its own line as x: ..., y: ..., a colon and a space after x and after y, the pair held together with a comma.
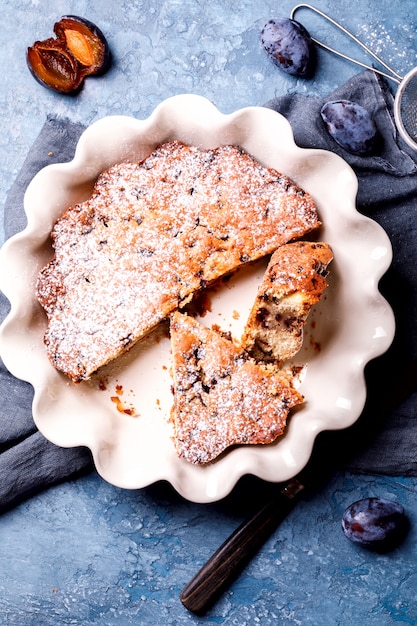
x: 79, y: 49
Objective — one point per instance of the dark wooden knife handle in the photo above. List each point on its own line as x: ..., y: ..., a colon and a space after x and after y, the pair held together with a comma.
x: 232, y: 556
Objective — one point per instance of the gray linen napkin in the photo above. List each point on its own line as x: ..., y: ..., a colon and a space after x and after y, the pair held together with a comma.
x: 28, y: 462
x: 383, y: 440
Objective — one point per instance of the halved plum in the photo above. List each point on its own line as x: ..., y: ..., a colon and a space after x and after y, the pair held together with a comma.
x: 80, y: 49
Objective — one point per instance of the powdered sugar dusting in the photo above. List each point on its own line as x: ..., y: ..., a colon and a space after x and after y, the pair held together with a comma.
x: 151, y: 235
x: 221, y: 396
x: 384, y: 41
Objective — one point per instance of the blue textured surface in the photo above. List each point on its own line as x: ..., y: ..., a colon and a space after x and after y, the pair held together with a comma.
x: 85, y: 552
x: 88, y: 553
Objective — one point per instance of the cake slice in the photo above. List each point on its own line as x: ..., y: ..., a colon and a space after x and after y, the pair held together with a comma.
x: 151, y: 235
x: 294, y: 281
x: 222, y: 397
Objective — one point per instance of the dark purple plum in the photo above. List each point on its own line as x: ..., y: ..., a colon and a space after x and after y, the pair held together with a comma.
x: 289, y: 45
x: 374, y: 523
x: 351, y: 126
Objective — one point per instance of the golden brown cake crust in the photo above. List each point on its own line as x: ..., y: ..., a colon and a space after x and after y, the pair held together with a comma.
x: 151, y: 235
x: 222, y: 397
x: 294, y: 281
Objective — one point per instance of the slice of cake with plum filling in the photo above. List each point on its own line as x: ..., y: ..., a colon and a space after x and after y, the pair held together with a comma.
x: 151, y: 235
x: 222, y: 397
x: 294, y: 281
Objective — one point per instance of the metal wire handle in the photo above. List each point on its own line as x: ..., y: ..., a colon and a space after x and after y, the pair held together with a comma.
x: 392, y: 74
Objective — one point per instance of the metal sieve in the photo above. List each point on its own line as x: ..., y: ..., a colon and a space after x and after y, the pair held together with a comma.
x: 405, y: 102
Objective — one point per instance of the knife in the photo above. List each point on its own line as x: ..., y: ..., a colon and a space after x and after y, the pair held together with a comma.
x: 238, y: 549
